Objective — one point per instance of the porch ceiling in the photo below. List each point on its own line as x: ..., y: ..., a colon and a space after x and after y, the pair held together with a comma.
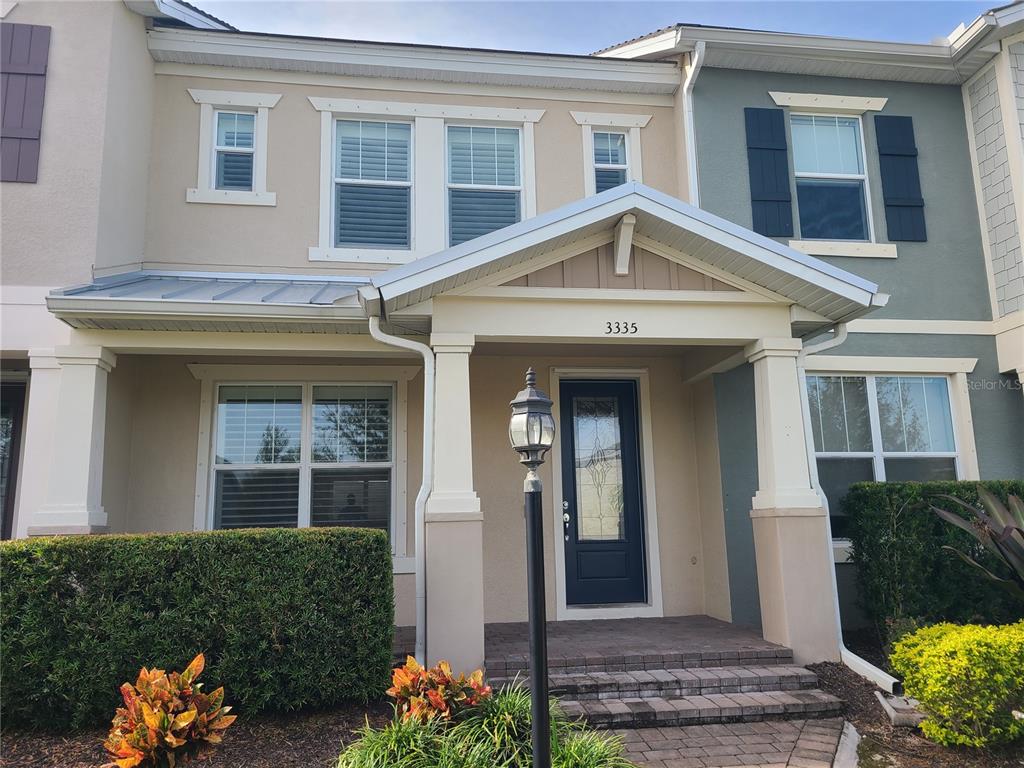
x: 805, y: 281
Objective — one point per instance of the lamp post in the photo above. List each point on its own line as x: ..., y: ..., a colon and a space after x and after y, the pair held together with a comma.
x: 532, y: 432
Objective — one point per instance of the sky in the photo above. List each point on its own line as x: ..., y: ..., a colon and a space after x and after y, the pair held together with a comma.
x: 574, y: 26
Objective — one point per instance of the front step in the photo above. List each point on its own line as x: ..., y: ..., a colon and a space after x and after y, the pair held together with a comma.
x: 509, y: 666
x: 635, y: 712
x: 672, y: 682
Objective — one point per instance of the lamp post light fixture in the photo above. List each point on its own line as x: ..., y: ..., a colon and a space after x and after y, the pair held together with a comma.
x: 532, y: 433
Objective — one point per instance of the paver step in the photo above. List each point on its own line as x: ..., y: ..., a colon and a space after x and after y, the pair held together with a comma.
x: 635, y: 712
x: 589, y: 686
x: 509, y: 665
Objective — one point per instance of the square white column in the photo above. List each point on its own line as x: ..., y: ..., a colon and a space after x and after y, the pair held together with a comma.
x: 74, y: 501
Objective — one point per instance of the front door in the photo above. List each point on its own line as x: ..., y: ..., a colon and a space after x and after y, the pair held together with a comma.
x: 602, y: 511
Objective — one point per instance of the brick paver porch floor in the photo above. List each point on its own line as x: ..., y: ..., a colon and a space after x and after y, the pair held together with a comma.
x: 787, y: 744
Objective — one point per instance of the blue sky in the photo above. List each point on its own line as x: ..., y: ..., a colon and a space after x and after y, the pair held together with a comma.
x: 581, y: 27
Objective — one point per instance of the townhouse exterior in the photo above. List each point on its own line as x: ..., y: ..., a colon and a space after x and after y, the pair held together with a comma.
x: 251, y: 279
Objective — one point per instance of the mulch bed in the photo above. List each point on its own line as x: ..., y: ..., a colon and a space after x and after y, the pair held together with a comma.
x: 884, y: 745
x: 310, y: 738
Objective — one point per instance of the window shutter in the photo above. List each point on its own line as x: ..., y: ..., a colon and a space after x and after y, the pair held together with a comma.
x: 901, y: 182
x: 770, y: 199
x: 25, y: 48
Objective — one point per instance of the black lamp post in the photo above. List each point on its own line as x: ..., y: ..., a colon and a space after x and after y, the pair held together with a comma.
x: 532, y: 432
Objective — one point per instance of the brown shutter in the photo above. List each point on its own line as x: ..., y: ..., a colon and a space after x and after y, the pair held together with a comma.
x: 24, y: 49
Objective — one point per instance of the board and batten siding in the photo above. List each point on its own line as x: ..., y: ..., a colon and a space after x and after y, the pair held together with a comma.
x: 997, y: 193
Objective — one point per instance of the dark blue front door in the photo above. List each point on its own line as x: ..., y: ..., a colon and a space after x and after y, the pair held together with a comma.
x: 602, y: 509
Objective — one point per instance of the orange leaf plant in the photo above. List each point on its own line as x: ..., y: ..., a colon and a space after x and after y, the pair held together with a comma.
x: 426, y: 694
x: 166, y: 719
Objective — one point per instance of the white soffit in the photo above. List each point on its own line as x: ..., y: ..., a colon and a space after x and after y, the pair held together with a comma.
x: 803, y: 279
x: 411, y: 62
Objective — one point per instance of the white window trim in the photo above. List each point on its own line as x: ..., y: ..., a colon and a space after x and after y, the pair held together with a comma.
x: 612, y: 123
x: 520, y: 188
x: 410, y: 184
x: 839, y: 247
x: 210, y: 102
x: 429, y: 226
x: 826, y: 103
x: 213, y: 376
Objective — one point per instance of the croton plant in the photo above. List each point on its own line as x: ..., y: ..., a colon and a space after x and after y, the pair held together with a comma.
x: 424, y: 694
x: 166, y: 719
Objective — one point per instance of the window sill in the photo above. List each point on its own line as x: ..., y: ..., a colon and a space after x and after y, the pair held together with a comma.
x: 230, y: 197
x: 364, y: 255
x: 841, y: 549
x: 844, y: 248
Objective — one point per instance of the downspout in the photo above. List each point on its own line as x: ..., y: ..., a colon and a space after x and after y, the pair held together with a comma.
x: 420, y: 554
x: 692, y: 70
x: 862, y: 667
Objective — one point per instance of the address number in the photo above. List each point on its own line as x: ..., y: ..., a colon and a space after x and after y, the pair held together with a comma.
x: 619, y: 329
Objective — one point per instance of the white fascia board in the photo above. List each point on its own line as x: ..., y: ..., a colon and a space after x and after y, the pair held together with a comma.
x: 658, y: 44
x: 608, y: 207
x: 173, y: 10
x: 69, y: 306
x: 410, y: 61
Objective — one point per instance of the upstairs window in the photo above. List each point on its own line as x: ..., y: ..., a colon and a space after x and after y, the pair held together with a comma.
x: 234, y: 150
x: 372, y: 184
x: 484, y: 181
x: 831, y: 184
x: 879, y: 428
x: 611, y: 163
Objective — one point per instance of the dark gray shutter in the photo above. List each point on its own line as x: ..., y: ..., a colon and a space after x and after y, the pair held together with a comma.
x: 24, y: 49
x: 770, y: 199
x: 901, y: 182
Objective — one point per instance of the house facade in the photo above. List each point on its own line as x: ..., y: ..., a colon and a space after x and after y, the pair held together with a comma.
x: 293, y: 281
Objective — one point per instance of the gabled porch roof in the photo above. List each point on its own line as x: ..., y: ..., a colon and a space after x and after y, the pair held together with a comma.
x: 811, y: 283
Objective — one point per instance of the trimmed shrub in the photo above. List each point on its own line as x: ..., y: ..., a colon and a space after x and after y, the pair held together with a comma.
x: 285, y: 618
x: 969, y: 680
x: 903, y: 572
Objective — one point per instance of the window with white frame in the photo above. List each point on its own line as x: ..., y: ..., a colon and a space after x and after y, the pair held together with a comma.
x: 877, y: 427
x: 233, y: 127
x: 831, y: 182
x: 484, y: 180
x: 611, y: 160
x: 297, y: 455
x: 234, y: 150
x: 372, y: 184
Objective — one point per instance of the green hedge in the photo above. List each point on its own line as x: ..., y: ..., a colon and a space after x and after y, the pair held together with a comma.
x: 903, y: 572
x: 286, y: 618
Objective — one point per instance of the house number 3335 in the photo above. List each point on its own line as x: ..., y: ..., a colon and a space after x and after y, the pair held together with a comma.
x: 619, y: 329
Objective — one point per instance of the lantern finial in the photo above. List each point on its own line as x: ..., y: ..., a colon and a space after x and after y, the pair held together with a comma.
x: 531, y: 377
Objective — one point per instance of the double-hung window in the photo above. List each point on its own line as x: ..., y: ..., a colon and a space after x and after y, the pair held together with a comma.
x: 611, y: 163
x: 831, y: 183
x: 484, y: 181
x: 234, y: 150
x: 879, y: 428
x: 372, y: 184
x: 297, y: 455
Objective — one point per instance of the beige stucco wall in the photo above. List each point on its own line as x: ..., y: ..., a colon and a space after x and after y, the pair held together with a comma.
x: 275, y: 238
x: 498, y: 480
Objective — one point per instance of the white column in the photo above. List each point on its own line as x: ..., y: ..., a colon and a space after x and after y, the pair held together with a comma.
x: 37, y: 438
x: 74, y: 500
x: 791, y: 543
x: 454, y: 522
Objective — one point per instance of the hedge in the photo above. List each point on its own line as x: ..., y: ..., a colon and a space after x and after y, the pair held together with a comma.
x: 902, y: 571
x: 286, y: 618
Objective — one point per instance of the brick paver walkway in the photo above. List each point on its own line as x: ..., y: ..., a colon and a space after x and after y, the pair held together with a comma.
x: 786, y: 744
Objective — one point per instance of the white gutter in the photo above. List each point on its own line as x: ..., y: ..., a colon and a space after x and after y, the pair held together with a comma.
x: 420, y: 553
x: 861, y: 666
x: 692, y: 70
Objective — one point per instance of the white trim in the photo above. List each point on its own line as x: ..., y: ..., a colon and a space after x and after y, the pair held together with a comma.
x: 234, y: 98
x: 395, y: 376
x: 406, y: 109
x: 654, y: 606
x: 624, y: 243
x: 897, y: 365
x: 938, y: 327
x: 823, y: 102
x: 855, y: 248
x: 633, y: 165
x: 608, y: 120
x: 527, y: 171
x: 210, y: 102
x: 644, y: 295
